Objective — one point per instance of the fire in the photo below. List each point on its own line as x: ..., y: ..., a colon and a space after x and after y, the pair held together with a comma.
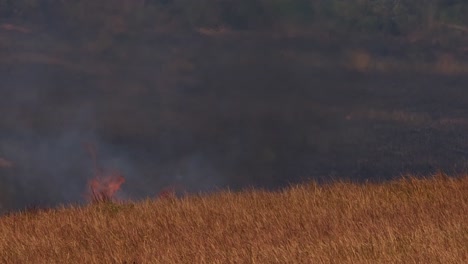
x: 104, y: 185
x: 103, y: 188
x: 167, y: 193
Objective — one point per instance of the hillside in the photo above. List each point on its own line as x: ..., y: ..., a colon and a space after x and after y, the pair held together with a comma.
x: 405, y: 221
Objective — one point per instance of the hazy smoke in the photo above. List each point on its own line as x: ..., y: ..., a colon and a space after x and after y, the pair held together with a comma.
x: 198, y: 112
x: 44, y: 132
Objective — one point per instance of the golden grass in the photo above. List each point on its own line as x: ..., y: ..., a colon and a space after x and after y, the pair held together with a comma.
x: 404, y: 221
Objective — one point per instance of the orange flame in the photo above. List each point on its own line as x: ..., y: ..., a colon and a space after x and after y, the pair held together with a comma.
x: 103, y: 186
x: 103, y: 189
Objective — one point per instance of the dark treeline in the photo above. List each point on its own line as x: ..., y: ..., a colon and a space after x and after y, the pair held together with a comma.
x: 387, y: 16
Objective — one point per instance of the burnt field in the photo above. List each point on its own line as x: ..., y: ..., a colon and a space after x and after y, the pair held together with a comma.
x: 207, y: 110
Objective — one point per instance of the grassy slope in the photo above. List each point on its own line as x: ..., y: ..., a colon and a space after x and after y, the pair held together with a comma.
x: 405, y: 221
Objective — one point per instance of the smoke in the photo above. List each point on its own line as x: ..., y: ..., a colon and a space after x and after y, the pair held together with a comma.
x: 197, y: 174
x: 47, y: 170
x: 199, y: 113
x: 42, y: 135
x: 46, y: 167
x: 45, y: 127
x: 173, y: 132
x: 158, y: 116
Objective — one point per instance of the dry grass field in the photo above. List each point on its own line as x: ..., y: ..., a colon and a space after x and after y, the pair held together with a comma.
x: 408, y: 220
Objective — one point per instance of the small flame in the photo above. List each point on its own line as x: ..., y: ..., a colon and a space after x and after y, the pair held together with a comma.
x: 167, y: 193
x: 103, y: 186
x: 103, y: 189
